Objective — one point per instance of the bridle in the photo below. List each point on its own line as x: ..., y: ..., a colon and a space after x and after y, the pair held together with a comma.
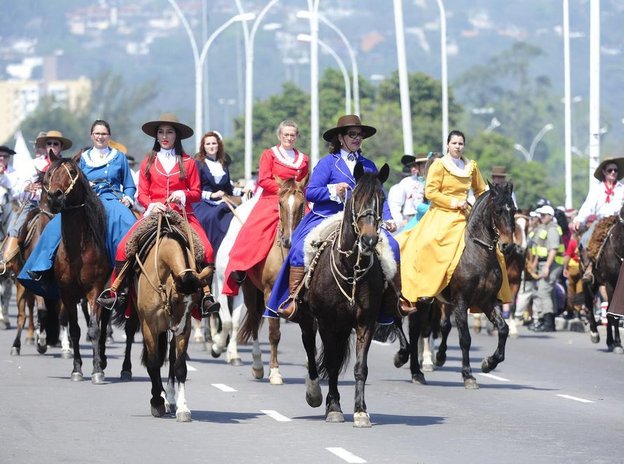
x: 69, y: 188
x: 281, y: 232
x: 493, y: 244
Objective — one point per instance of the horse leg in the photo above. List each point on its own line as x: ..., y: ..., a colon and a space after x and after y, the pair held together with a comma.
x: 275, y: 334
x: 314, y: 397
x: 498, y: 357
x: 21, y: 321
x: 130, y: 330
x: 41, y: 338
x: 590, y: 295
x: 401, y: 356
x: 364, y: 334
x: 97, y: 330
x: 333, y: 352
x: 66, y: 351
x: 232, y: 355
x: 461, y: 319
x: 154, y: 350
x: 74, y: 334
x: 427, y: 355
x: 179, y: 370
x: 416, y: 323
x: 445, y: 330
x: 613, y: 324
x: 29, y: 302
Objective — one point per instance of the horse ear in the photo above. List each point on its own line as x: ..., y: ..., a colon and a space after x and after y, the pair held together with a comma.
x: 384, y: 172
x: 358, y: 171
x: 279, y: 181
x: 77, y: 155
x: 303, y: 182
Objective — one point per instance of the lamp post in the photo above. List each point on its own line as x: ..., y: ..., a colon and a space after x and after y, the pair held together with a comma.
x: 354, y: 67
x: 528, y: 155
x: 444, y: 72
x: 406, y: 113
x: 594, y: 87
x: 567, y: 145
x: 249, y: 62
x: 343, y: 69
x: 199, y: 59
x: 313, y: 7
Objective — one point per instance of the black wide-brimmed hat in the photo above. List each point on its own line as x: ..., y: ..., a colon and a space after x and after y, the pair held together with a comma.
x: 408, y: 160
x: 611, y: 160
x: 6, y: 150
x: 150, y: 128
x: 344, y: 122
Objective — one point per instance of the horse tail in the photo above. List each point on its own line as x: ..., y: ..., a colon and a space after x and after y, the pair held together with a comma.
x: 385, y: 333
x: 162, y: 350
x: 334, y: 357
x: 251, y: 320
x: 245, y: 331
x: 119, y: 319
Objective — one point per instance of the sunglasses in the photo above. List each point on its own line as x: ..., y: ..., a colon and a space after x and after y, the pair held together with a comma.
x: 53, y: 144
x: 610, y: 170
x: 354, y: 134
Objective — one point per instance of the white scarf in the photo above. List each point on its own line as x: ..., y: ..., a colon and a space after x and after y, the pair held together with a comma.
x: 167, y: 158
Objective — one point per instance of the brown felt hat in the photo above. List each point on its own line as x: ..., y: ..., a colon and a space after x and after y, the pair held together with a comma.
x: 612, y: 160
x: 499, y: 171
x: 344, y: 122
x: 150, y: 128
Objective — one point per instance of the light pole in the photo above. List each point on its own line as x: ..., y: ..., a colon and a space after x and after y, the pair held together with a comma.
x: 406, y: 112
x: 528, y: 155
x: 594, y: 87
x: 567, y: 145
x: 354, y: 67
x: 343, y: 69
x: 226, y: 103
x: 249, y: 62
x: 199, y: 59
x: 444, y: 73
x: 313, y: 7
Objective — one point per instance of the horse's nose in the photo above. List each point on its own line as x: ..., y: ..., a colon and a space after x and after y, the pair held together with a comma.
x: 286, y: 242
x: 55, y: 198
x: 369, y: 242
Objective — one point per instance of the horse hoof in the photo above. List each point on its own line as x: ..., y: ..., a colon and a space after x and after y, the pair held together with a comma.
x: 618, y: 349
x: 183, y: 416
x: 361, y: 420
x: 41, y: 349
x: 427, y: 367
x: 15, y: 351
x: 275, y: 378
x: 158, y: 411
x: 236, y: 362
x: 486, y: 366
x: 314, y: 396
x: 66, y: 354
x: 335, y: 417
x: 400, y: 359
x: 97, y: 378
x: 595, y: 337
x: 440, y: 360
x: 76, y: 377
x: 214, y: 353
x: 419, y: 379
x: 126, y: 376
x: 471, y: 384
x: 109, y: 341
x: 257, y: 372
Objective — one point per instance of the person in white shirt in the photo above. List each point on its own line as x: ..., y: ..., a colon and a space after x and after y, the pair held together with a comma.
x: 404, y: 197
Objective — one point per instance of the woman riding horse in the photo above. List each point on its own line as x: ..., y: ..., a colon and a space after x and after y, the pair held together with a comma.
x: 257, y: 235
x: 168, y: 179
x: 108, y: 172
x: 328, y: 189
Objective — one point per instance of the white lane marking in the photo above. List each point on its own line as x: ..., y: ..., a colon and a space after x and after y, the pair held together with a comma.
x: 190, y: 368
x: 346, y: 455
x: 494, y: 377
x: 223, y: 387
x: 275, y: 415
x: 575, y: 398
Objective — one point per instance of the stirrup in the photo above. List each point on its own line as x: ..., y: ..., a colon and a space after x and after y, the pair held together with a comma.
x: 209, y: 305
x: 406, y: 307
x: 34, y: 275
x: 288, y: 315
x: 111, y: 299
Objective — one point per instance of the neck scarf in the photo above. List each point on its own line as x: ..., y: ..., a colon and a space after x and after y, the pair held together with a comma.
x: 609, y: 192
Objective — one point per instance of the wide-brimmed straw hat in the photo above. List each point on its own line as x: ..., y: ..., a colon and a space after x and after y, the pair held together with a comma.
x: 611, y: 160
x: 150, y: 128
x: 118, y: 146
x: 344, y: 122
x: 498, y: 171
x: 53, y: 134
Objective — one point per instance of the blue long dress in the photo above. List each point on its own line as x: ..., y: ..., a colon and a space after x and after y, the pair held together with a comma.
x: 331, y: 169
x: 111, y: 181
x: 214, y: 216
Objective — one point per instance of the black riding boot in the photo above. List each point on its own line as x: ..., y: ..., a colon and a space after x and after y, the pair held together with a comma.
x: 208, y: 304
x: 116, y: 296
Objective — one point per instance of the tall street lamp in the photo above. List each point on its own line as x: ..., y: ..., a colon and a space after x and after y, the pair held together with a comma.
x: 528, y: 155
x: 444, y: 72
x: 568, y: 107
x: 354, y: 67
x: 249, y: 62
x: 199, y: 59
x: 343, y: 69
x: 594, y: 87
x: 406, y: 113
x: 313, y: 8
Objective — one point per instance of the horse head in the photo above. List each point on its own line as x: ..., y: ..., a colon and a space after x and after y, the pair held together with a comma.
x: 63, y: 183
x: 503, y: 213
x: 365, y: 206
x: 291, y: 207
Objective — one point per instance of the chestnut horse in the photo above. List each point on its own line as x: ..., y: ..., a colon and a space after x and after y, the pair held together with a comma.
x: 81, y: 266
x: 259, y: 282
x: 345, y: 292
x: 168, y: 289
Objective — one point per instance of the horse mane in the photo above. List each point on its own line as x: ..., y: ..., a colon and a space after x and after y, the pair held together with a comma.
x: 502, y: 197
x: 599, y: 235
x: 95, y: 218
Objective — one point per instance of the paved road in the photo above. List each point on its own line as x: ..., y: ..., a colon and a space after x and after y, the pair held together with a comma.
x: 556, y: 399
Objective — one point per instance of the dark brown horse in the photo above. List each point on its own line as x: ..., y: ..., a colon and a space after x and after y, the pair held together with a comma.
x: 345, y: 292
x: 259, y: 282
x: 474, y: 284
x: 608, y: 260
x: 81, y: 266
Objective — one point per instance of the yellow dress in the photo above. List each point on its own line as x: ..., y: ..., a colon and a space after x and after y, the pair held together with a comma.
x: 430, y: 251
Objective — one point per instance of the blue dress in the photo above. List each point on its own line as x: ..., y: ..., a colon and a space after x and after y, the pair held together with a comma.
x: 331, y: 169
x: 214, y: 216
x: 111, y: 182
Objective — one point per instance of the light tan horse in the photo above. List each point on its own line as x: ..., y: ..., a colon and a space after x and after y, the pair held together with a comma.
x: 168, y: 288
x: 259, y: 282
